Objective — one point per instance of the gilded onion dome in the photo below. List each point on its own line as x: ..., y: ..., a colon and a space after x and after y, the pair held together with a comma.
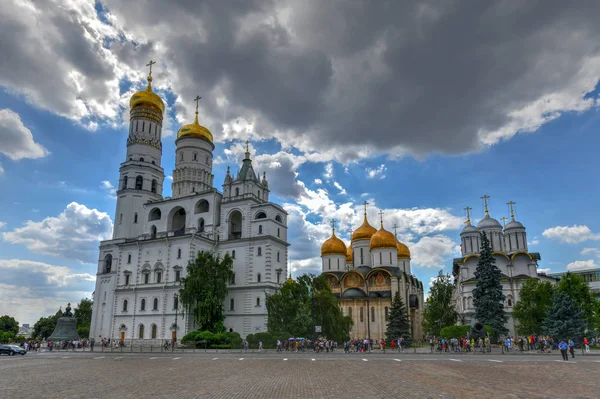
x: 349, y: 254
x: 403, y: 251
x: 147, y: 98
x: 195, y: 130
x: 364, y: 232
x: 333, y: 246
x: 383, y: 239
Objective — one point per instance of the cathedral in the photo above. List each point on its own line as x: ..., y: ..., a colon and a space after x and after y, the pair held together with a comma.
x: 365, y: 277
x: 140, y: 269
x: 511, y: 253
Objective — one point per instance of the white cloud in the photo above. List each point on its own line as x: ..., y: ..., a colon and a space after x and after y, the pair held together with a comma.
x: 581, y: 265
x: 2, y: 225
x: 432, y: 251
x: 535, y: 241
x: 339, y: 187
x: 30, y: 290
x: 591, y: 251
x: 318, y: 181
x: 74, y: 234
x: 328, y: 171
x: 376, y: 173
x: 110, y: 189
x: 544, y: 271
x: 570, y: 234
x: 16, y: 141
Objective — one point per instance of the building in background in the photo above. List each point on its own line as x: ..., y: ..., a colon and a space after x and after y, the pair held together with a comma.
x: 591, y: 276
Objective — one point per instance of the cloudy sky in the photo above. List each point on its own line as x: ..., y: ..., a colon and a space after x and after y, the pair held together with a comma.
x: 419, y: 109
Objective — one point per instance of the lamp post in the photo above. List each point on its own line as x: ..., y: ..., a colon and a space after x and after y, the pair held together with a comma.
x: 174, y: 339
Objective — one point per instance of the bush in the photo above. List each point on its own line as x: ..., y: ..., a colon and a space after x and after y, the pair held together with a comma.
x: 209, y: 340
x: 235, y: 339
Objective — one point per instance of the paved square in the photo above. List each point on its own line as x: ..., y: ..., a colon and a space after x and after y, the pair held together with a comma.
x: 291, y: 375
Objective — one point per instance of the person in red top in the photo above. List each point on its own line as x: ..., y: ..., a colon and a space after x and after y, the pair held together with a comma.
x: 587, y: 344
x: 383, y: 344
x: 393, y: 344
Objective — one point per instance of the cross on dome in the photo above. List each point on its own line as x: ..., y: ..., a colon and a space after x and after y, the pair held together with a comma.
x: 381, y: 218
x: 512, y: 211
x: 485, y: 198
x: 468, y: 209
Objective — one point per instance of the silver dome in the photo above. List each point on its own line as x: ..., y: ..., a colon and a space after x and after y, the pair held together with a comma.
x: 489, y: 223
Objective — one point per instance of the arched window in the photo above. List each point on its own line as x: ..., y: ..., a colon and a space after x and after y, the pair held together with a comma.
x: 141, y: 159
x: 181, y: 156
x: 202, y: 206
x: 277, y: 256
x: 464, y: 303
x: 195, y: 156
x: 261, y: 215
x: 338, y: 262
x: 146, y: 277
x: 233, y: 254
x: 125, y: 305
x: 260, y: 229
x: 278, y: 218
x: 259, y: 251
x: 155, y: 307
x: 129, y: 258
x: 139, y: 182
x: 362, y: 318
x: 509, y: 302
x: 257, y: 301
x: 158, y: 276
x: 153, y: 330
x: 361, y: 256
x: 177, y: 275
x: 201, y: 225
x: 153, y: 232
x: 143, y: 304
x: 124, y: 181
x: 135, y: 218
x: 380, y: 258
x: 107, y: 263
x: 177, y: 221
x: 175, y: 301
x: 141, y: 332
x: 178, y: 253
x: 232, y: 278
x: 153, y: 188
x: 235, y: 225
x: 387, y: 313
x: 329, y: 263
x: 237, y: 191
x: 350, y: 311
x: 258, y: 276
x: 372, y: 314
x: 155, y: 214
x: 278, y: 232
x: 231, y: 304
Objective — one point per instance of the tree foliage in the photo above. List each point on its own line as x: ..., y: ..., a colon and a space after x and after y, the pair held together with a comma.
x: 45, y: 326
x: 439, y: 310
x: 308, y: 301
x: 398, y: 322
x: 565, y: 320
x: 488, y: 298
x: 83, y: 315
x: 205, y: 288
x: 535, y: 299
x: 576, y: 288
x: 9, y: 324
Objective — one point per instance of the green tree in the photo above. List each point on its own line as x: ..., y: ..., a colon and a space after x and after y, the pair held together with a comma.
x: 439, y: 311
x: 535, y: 299
x: 45, y: 326
x: 398, y: 323
x: 565, y: 320
x: 488, y: 298
x: 327, y: 312
x: 576, y: 288
x: 83, y: 314
x: 9, y: 324
x: 205, y: 288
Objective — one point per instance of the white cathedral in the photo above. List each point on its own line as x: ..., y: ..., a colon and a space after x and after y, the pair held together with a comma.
x: 511, y: 253
x: 141, y: 267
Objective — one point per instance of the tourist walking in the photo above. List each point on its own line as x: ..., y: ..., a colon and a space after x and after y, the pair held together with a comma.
x: 587, y: 344
x: 572, y: 348
x: 260, y: 346
x: 563, y: 350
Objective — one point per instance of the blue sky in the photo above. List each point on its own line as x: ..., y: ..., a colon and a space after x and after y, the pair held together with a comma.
x: 333, y: 121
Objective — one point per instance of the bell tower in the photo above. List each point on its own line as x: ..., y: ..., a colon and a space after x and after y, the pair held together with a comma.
x: 141, y: 174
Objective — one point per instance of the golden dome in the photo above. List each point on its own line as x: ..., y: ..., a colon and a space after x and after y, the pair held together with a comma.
x: 383, y: 239
x: 333, y: 246
x: 147, y: 98
x: 403, y: 251
x: 364, y: 232
x: 349, y: 254
x: 195, y: 130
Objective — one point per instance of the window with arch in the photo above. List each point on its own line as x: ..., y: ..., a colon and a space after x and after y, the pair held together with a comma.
x: 201, y: 225
x: 350, y: 311
x: 329, y: 264
x: 372, y: 314
x: 260, y: 231
x: 178, y: 253
x: 233, y: 254
x: 278, y: 232
x: 155, y: 214
x: 361, y: 257
x: 390, y: 258
x: 141, y: 332
x: 146, y: 277
x: 195, y: 156
x: 107, y: 263
x: 141, y: 159
x: 124, y: 181
x: 127, y: 279
x: 387, y: 313
x: 135, y: 217
x: 139, y: 182
x: 143, y: 304
x: 153, y: 187
x: 232, y: 304
x: 237, y: 191
x: 155, y: 304
x: 278, y: 218
x: 258, y: 277
x: 153, y: 331
x: 158, y: 277
x: 120, y: 218
x: 261, y: 215
x: 338, y: 264
x: 232, y: 279
x: 278, y: 256
x: 125, y: 305
x: 153, y: 232
x: 175, y: 301
x: 259, y: 251
x: 177, y: 275
x: 129, y: 258
x: 362, y: 318
x: 380, y: 258
x: 257, y: 301
x: 202, y: 206
x: 181, y: 156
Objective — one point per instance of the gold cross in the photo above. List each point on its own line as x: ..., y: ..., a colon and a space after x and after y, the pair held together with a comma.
x: 247, y: 143
x: 468, y: 209
x: 512, y: 211
x: 381, y: 217
x: 504, y: 219
x: 365, y: 205
x: 197, y: 99
x: 395, y: 229
x: 332, y: 222
x: 150, y: 65
x: 485, y: 198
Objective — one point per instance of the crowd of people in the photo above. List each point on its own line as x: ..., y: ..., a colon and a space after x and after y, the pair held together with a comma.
x: 460, y: 344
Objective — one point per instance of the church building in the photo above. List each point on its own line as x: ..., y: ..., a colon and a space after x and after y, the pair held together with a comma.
x: 140, y: 269
x: 511, y: 253
x: 365, y: 277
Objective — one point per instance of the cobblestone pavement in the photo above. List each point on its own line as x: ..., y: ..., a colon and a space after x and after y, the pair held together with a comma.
x: 292, y: 375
